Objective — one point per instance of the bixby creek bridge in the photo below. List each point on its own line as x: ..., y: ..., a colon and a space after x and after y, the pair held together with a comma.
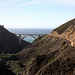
x: 22, y: 36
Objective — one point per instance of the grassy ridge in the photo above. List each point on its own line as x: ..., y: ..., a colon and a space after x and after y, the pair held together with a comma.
x: 63, y: 27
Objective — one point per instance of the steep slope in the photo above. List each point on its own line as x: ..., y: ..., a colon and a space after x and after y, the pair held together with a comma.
x: 51, y: 54
x: 9, y: 42
x: 48, y: 50
x: 64, y: 64
x: 64, y: 26
x: 43, y: 45
x: 66, y: 31
x: 4, y: 70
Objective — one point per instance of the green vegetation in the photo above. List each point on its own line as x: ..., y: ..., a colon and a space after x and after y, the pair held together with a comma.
x: 50, y: 56
x: 13, y: 63
x: 27, y: 63
x: 8, y: 56
x: 16, y: 66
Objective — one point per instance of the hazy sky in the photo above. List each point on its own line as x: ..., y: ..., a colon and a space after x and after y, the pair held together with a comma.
x: 36, y: 13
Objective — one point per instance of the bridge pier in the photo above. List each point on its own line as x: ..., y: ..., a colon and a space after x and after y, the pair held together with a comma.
x: 39, y: 35
x: 32, y: 35
x: 19, y: 38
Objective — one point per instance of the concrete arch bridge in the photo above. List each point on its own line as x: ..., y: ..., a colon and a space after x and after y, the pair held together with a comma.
x: 22, y: 36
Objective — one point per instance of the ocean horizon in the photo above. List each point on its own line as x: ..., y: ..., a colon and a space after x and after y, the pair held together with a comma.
x: 30, y: 31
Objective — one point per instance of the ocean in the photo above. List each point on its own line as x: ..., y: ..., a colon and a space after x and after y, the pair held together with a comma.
x: 29, y: 31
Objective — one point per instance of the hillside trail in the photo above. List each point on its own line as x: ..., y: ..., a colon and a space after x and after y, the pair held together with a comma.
x: 70, y: 36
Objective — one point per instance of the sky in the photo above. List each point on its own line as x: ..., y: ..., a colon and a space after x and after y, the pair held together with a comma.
x: 36, y: 13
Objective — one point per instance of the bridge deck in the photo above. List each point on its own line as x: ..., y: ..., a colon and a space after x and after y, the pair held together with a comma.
x: 29, y: 34
x: 32, y: 35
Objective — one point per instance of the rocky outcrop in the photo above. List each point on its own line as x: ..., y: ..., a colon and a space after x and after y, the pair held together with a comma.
x: 9, y: 42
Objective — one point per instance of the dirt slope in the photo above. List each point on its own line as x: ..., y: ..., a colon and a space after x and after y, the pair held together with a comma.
x: 51, y: 54
x: 66, y: 31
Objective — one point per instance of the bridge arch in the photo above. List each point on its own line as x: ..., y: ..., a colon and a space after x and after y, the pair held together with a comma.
x: 29, y: 35
x: 25, y: 35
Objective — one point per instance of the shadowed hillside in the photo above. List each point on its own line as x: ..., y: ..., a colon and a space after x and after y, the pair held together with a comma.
x: 4, y: 70
x: 9, y: 42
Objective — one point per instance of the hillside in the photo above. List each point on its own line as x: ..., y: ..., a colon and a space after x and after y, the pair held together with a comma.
x: 64, y: 64
x: 45, y: 52
x: 4, y: 70
x: 50, y: 54
x: 9, y: 42
x: 43, y: 45
x: 64, y: 26
x: 66, y: 31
